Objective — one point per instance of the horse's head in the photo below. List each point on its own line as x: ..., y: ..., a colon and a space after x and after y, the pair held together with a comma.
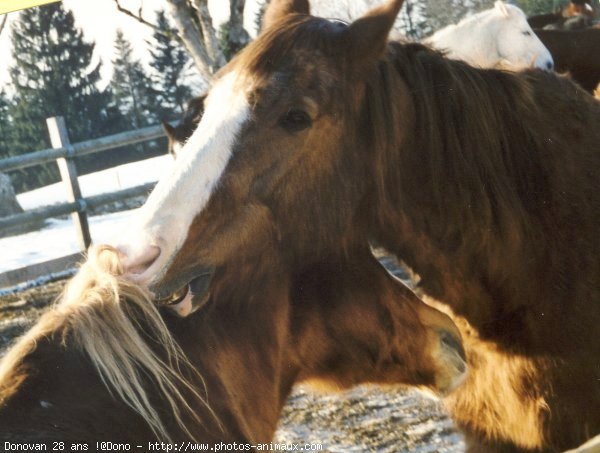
x: 278, y: 153
x: 513, y: 43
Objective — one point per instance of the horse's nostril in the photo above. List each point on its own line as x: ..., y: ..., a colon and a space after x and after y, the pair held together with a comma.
x: 549, y: 65
x: 451, y: 341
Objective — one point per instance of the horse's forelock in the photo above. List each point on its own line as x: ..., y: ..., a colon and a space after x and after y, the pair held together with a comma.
x: 107, y: 317
x: 274, y: 47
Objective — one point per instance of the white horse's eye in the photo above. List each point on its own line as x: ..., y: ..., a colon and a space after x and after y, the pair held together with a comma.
x: 527, y: 33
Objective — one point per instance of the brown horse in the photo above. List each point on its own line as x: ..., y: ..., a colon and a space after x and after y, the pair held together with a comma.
x: 103, y: 366
x: 484, y: 182
x: 576, y: 53
x: 576, y: 15
x: 179, y: 134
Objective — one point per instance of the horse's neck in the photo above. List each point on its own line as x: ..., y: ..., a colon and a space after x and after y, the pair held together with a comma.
x: 238, y: 349
x: 436, y: 212
x: 458, y: 42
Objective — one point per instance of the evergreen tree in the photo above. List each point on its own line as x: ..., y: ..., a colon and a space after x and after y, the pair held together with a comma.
x: 138, y: 102
x: 52, y: 75
x: 169, y: 60
x: 5, y: 124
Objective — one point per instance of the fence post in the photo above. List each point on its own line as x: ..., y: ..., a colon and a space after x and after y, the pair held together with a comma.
x: 59, y: 138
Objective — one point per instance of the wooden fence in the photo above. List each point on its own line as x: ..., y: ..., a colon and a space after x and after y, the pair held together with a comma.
x: 64, y: 153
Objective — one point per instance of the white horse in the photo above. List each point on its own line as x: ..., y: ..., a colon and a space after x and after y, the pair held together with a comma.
x: 499, y: 37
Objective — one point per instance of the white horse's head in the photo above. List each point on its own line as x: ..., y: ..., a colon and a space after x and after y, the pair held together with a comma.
x: 517, y: 44
x: 496, y: 38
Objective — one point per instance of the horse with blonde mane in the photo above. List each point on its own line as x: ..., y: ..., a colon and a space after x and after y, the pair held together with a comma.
x: 483, y: 181
x: 105, y: 364
x: 499, y: 37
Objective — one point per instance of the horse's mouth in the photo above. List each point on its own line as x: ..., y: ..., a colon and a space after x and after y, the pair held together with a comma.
x: 189, y: 297
x: 176, y: 297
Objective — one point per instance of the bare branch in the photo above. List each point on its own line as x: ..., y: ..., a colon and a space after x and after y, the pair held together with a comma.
x: 181, y: 12
x: 238, y: 35
x: 138, y: 17
x: 3, y: 22
x: 209, y: 33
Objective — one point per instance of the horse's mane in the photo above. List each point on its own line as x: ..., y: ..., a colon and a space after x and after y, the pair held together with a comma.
x: 273, y: 45
x: 475, y: 128
x: 112, y: 321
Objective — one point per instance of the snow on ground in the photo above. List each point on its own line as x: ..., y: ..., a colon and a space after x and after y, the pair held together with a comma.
x: 116, y: 178
x: 58, y: 238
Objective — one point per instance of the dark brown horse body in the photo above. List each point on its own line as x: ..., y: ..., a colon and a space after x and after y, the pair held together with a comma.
x: 257, y: 334
x: 575, y: 53
x: 505, y: 234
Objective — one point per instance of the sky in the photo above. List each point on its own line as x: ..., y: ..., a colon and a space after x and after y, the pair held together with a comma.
x: 99, y: 20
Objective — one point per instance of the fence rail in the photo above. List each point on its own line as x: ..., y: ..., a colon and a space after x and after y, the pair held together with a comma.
x: 64, y: 154
x: 82, y: 205
x: 81, y: 149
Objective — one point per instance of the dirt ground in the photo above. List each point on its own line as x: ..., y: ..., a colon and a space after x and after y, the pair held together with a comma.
x: 364, y: 419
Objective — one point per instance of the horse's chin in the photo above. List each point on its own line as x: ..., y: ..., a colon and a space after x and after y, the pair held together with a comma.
x: 191, y: 293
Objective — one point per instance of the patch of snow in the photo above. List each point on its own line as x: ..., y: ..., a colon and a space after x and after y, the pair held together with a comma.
x: 110, y: 180
x: 56, y: 240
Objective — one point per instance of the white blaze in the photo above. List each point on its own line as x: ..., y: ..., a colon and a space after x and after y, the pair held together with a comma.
x: 181, y: 195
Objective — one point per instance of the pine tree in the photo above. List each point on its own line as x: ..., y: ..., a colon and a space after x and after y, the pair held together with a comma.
x: 169, y: 60
x: 132, y: 88
x: 52, y: 75
x: 5, y: 124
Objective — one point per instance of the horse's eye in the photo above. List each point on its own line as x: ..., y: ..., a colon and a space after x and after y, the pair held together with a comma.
x: 295, y: 120
x: 527, y: 33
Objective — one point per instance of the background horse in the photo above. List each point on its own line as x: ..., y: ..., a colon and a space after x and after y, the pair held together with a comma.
x: 103, y: 365
x: 496, y: 38
x: 178, y: 135
x: 576, y: 15
x: 576, y: 53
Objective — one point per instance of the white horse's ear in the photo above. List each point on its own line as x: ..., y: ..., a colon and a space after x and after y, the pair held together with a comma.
x: 501, y: 6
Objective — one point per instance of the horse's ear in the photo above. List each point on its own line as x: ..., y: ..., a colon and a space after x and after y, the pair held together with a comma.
x: 501, y: 7
x: 278, y: 9
x: 367, y: 36
x: 169, y: 130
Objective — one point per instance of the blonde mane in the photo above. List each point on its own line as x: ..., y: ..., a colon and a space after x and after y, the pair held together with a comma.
x: 107, y: 317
